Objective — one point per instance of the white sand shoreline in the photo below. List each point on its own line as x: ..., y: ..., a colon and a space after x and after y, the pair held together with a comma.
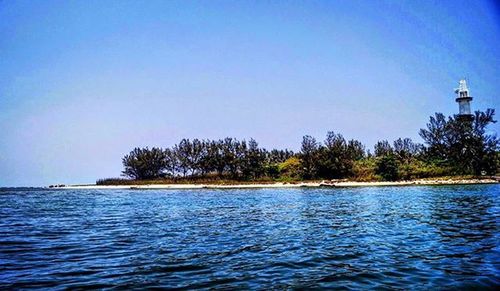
x: 287, y: 185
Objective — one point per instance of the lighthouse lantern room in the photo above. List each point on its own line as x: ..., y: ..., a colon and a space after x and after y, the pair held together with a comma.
x: 463, y: 99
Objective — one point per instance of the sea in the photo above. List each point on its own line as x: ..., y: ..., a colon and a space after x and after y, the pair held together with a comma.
x: 411, y: 238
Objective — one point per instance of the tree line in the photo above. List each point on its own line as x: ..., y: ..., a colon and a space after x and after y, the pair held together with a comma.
x: 452, y: 146
x: 229, y: 157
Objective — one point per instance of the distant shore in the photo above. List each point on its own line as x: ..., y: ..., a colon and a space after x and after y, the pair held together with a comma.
x: 317, y: 184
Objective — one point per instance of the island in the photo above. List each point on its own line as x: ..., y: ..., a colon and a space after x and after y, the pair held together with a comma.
x: 456, y: 150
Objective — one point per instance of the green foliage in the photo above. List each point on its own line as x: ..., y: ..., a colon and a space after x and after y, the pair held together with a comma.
x: 291, y: 168
x: 113, y: 181
x: 336, y: 157
x: 272, y: 171
x: 406, y: 149
x: 144, y: 163
x: 365, y: 170
x: 277, y: 156
x: 454, y: 146
x: 309, y: 156
x: 332, y: 159
x: 416, y: 169
x: 252, y: 161
x: 498, y: 163
x: 461, y: 144
x: 370, y: 169
x: 383, y: 148
x: 227, y: 158
x: 387, y: 168
x: 272, y: 162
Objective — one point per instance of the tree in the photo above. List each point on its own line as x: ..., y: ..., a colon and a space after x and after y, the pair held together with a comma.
x: 291, y: 168
x: 383, y: 148
x: 308, y: 155
x: 206, y: 163
x: 195, y: 156
x: 487, y: 145
x: 183, y: 153
x: 333, y: 160
x: 216, y: 158
x: 171, y: 162
x: 273, y: 159
x: 387, y: 167
x: 252, y: 165
x: 277, y: 156
x: 454, y: 145
x: 230, y: 150
x: 406, y: 149
x: 461, y: 144
x: 144, y: 163
x: 355, y: 150
x: 436, y: 137
x: 336, y: 158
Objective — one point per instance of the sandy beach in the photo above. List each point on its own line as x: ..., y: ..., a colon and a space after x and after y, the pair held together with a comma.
x: 334, y: 184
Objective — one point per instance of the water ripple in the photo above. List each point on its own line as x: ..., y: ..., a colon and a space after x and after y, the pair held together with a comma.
x: 368, y: 238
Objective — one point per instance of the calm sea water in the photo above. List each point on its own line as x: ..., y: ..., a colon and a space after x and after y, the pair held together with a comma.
x: 395, y: 237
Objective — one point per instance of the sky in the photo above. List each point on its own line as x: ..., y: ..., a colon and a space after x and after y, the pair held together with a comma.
x: 84, y: 82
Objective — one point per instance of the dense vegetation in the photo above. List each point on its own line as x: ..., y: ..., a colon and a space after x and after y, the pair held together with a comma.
x: 453, y: 146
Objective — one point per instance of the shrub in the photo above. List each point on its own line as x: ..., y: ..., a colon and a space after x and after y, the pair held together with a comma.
x: 387, y: 168
x: 365, y: 170
x: 416, y: 169
x: 272, y: 170
x: 291, y: 168
x: 114, y: 181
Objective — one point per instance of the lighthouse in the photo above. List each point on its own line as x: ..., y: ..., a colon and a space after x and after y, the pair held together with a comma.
x: 463, y: 99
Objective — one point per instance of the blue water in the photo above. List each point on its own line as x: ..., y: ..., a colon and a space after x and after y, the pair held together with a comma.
x: 443, y: 237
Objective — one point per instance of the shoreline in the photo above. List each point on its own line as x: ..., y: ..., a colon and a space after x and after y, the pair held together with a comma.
x: 326, y: 184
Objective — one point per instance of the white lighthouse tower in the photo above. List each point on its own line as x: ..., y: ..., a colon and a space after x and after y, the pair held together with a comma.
x: 463, y: 100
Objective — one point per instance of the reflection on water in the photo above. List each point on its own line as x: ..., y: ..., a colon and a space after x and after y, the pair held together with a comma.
x: 392, y: 237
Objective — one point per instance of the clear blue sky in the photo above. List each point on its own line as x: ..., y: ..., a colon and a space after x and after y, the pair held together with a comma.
x: 84, y: 82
